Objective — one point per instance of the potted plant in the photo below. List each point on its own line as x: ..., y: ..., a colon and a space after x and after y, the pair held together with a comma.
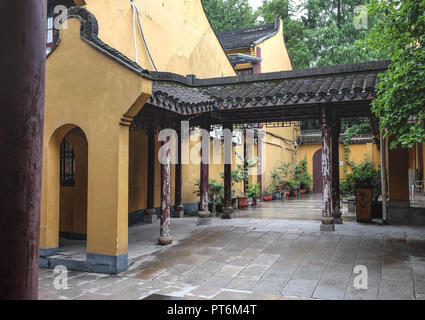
x: 364, y: 183
x: 241, y: 174
x: 302, y: 176
x: 294, y: 185
x: 279, y: 174
x: 215, y: 193
x: 268, y: 193
x: 252, y: 192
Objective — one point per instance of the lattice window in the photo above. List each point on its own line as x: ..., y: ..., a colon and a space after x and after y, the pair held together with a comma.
x: 67, y: 165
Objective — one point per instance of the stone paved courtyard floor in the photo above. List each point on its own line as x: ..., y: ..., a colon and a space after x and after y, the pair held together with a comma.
x: 247, y: 258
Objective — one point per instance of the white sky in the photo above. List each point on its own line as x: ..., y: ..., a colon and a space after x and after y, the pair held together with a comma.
x: 255, y: 3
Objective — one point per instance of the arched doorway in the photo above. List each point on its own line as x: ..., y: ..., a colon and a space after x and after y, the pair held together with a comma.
x: 65, y: 185
x: 317, y: 172
x: 73, y: 163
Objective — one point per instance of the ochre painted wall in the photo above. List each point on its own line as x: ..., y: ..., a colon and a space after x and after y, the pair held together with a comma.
x: 138, y: 177
x: 277, y: 149
x: 357, y: 154
x: 274, y: 53
x: 178, y: 35
x: 87, y: 89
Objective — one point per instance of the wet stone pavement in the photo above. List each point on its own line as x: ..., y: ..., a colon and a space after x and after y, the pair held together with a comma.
x: 262, y: 259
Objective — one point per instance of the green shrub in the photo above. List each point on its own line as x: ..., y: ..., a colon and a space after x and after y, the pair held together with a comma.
x: 364, y: 173
x: 253, y: 191
x: 215, y: 190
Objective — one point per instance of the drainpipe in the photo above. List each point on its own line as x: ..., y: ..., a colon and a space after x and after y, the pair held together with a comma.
x: 383, y: 142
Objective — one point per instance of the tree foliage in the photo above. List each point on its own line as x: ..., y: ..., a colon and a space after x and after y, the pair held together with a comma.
x: 229, y: 14
x: 400, y: 32
x: 326, y: 33
x: 317, y: 32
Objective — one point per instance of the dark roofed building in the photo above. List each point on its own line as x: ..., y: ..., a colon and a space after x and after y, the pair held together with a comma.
x: 257, y: 49
x: 247, y: 37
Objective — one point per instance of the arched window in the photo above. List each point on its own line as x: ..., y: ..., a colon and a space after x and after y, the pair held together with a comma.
x: 67, y: 159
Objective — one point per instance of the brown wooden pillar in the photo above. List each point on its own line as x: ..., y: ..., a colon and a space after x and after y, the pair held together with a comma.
x: 165, y: 236
x: 178, y: 200
x: 150, y: 216
x: 336, y: 209
x: 204, y: 213
x: 228, y: 209
x: 327, y: 219
x: 22, y: 89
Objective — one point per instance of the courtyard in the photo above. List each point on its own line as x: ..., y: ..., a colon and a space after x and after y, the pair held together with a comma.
x: 276, y: 257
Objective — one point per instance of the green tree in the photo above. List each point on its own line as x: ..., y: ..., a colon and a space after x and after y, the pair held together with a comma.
x: 229, y: 14
x: 294, y: 30
x: 400, y: 32
x: 325, y: 34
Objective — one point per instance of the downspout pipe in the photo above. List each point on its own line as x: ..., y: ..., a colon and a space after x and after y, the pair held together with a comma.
x: 383, y: 147
x: 136, y: 10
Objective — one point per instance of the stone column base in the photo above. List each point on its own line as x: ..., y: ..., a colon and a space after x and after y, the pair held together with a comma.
x: 150, y: 216
x: 327, y: 224
x: 204, y: 218
x: 163, y: 241
x: 227, y: 213
x: 327, y: 227
x: 178, y: 212
x: 204, y: 214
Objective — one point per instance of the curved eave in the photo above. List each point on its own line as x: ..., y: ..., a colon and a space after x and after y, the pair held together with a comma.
x: 89, y: 34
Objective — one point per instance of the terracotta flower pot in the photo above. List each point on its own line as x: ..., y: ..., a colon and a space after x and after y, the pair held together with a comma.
x: 243, y: 202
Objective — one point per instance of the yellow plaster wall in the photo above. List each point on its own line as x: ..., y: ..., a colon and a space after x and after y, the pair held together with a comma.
x: 274, y: 53
x: 138, y: 177
x: 178, y: 35
x: 85, y: 88
x: 277, y: 150
x: 358, y: 153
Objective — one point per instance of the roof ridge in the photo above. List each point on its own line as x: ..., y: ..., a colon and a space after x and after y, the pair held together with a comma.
x: 247, y: 28
x: 192, y: 81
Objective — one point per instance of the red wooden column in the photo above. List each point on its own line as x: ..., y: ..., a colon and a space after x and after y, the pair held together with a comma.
x: 228, y: 209
x: 336, y: 209
x: 327, y: 219
x: 165, y: 236
x: 204, y: 213
x: 245, y: 164
x: 22, y: 89
x: 150, y: 216
x: 260, y: 136
x: 178, y: 201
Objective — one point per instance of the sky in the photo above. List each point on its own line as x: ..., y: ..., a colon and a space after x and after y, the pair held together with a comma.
x: 255, y: 3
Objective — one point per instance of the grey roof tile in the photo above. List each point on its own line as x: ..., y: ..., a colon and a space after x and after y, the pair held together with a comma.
x: 247, y: 37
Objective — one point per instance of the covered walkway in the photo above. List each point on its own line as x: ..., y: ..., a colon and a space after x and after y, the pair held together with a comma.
x: 306, y: 207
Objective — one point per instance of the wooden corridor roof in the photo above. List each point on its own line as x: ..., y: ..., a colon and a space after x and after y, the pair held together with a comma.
x: 292, y: 95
